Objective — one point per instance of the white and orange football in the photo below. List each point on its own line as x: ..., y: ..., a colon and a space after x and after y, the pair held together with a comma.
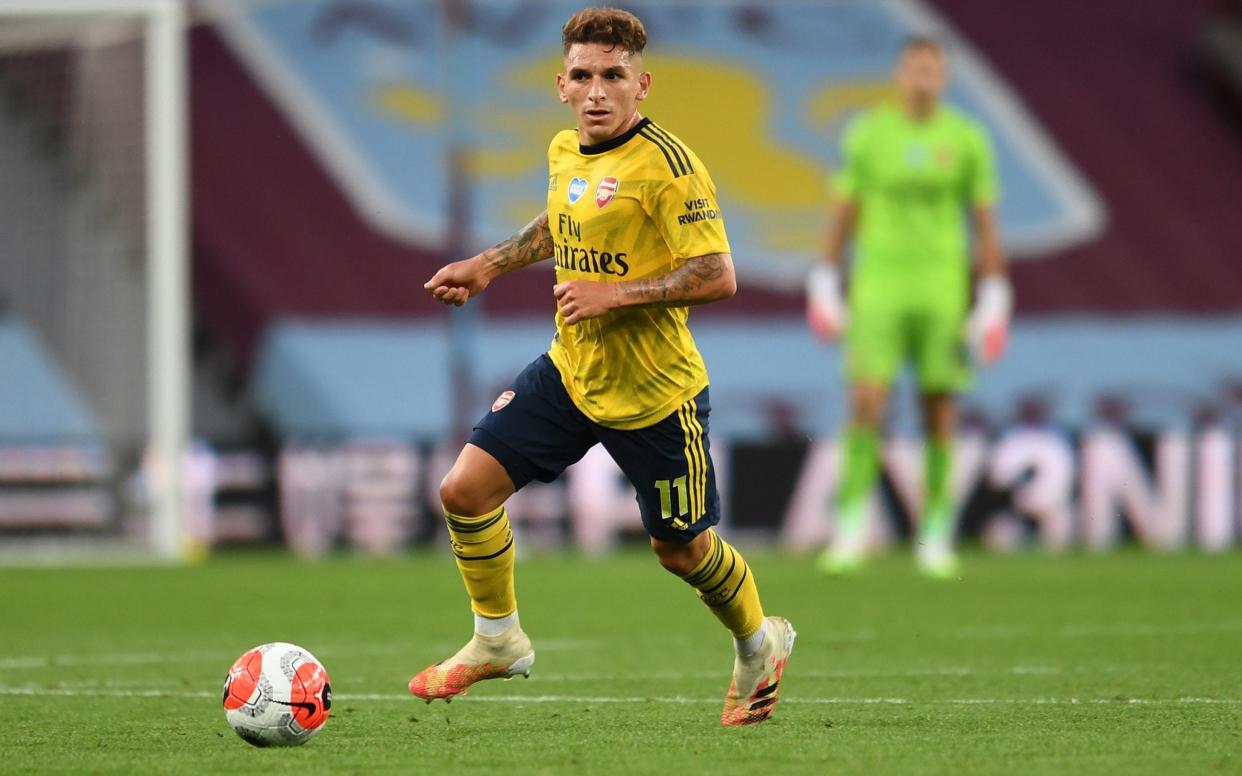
x: 277, y: 695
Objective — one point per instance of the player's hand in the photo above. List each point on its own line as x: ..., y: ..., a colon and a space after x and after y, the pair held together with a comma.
x: 825, y: 306
x: 457, y: 282
x: 987, y: 327
x: 580, y: 300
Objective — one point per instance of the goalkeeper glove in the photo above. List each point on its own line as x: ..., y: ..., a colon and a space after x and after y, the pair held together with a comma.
x: 987, y: 327
x: 825, y: 306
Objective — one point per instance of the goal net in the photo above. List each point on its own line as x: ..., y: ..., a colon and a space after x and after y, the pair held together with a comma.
x: 93, y: 298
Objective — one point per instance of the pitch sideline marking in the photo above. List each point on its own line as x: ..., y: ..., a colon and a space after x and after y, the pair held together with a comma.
x: 566, y: 645
x: 175, y: 656
x: 1095, y: 630
x: 841, y: 673
x: 1078, y: 630
x: 679, y: 700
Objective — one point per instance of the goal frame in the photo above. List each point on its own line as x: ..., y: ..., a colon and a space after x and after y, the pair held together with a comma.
x: 167, y: 293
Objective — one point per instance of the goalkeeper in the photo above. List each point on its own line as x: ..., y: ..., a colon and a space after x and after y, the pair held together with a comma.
x: 914, y: 173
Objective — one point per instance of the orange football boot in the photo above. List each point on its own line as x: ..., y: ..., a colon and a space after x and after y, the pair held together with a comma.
x: 755, y: 689
x: 483, y: 657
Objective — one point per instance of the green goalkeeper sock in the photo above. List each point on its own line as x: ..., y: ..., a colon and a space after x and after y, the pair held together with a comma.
x: 938, y: 504
x: 859, y: 470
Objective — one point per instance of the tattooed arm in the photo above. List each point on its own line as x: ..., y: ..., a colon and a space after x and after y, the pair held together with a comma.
x: 530, y: 245
x: 701, y: 280
x: 457, y: 282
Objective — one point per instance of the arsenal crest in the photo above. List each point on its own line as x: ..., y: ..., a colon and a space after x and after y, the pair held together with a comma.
x: 502, y: 401
x: 605, y: 191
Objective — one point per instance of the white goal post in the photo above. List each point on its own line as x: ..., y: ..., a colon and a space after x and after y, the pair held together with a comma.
x: 167, y: 288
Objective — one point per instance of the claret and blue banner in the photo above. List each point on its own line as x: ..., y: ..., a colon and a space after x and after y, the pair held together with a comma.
x: 387, y: 91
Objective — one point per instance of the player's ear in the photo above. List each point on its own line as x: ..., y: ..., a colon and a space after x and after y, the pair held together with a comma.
x: 560, y: 87
x: 644, y: 85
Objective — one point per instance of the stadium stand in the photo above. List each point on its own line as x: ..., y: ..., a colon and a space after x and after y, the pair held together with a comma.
x: 1130, y: 117
x: 340, y: 380
x: 37, y: 401
x: 276, y: 236
x: 1174, y: 157
x: 273, y: 235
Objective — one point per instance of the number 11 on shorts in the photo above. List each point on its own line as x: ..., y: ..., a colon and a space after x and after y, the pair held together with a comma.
x: 666, y: 488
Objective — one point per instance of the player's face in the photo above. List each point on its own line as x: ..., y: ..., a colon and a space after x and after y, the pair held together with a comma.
x: 922, y: 75
x: 603, y: 85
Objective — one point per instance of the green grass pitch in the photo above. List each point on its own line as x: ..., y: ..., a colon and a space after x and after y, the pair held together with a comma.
x: 1101, y: 664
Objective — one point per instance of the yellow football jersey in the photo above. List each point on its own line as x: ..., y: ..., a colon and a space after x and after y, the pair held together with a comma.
x: 633, y: 207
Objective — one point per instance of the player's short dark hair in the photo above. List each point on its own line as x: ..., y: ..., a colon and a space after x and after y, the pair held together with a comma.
x: 921, y: 42
x: 611, y: 27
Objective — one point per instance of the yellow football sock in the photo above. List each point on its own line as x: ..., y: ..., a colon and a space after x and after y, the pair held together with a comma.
x: 726, y: 585
x: 484, y: 550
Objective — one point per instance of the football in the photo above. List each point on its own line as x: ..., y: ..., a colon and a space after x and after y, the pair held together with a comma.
x: 277, y: 694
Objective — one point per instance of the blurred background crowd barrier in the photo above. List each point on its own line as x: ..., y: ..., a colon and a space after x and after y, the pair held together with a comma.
x: 339, y: 151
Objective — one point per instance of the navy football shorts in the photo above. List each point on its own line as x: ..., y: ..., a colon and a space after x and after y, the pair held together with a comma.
x: 535, y: 430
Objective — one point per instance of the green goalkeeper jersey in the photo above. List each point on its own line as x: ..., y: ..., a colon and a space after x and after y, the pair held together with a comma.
x: 914, y: 183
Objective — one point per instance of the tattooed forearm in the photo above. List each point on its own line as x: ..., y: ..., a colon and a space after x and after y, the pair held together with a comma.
x: 700, y: 280
x: 532, y: 244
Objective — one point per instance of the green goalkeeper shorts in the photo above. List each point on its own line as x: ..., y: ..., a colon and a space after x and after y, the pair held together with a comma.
x: 889, y: 327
